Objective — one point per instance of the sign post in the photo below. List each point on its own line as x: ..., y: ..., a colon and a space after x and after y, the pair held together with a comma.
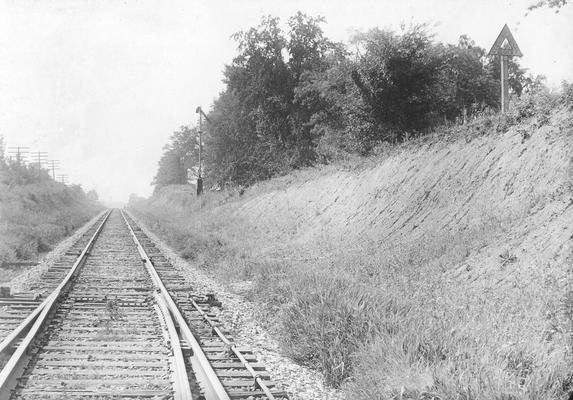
x: 505, y: 46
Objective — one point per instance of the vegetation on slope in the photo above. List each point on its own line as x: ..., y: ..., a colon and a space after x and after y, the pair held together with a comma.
x: 440, y: 269
x: 295, y: 98
x: 36, y: 212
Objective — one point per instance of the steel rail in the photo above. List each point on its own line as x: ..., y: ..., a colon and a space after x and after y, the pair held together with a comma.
x: 40, y: 314
x: 203, y: 370
x: 182, y: 390
x: 8, y: 340
x: 259, y: 382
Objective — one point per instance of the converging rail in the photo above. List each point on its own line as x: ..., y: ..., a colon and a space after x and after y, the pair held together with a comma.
x: 121, y: 323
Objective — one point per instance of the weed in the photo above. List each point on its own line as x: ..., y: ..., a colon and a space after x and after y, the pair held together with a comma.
x: 113, y: 317
x: 507, y: 258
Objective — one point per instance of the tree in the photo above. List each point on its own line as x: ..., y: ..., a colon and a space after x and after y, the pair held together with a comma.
x: 467, y: 81
x: 294, y: 98
x: 180, y: 156
x: 92, y: 195
x: 397, y: 76
x: 2, y: 149
x: 555, y: 4
x: 310, y: 56
x: 259, y: 77
x: 271, y: 128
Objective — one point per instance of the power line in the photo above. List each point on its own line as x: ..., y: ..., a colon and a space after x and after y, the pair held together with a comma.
x: 20, y: 153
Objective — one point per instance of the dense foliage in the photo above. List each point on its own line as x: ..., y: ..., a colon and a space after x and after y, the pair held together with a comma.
x: 36, y: 212
x: 179, y: 156
x: 294, y: 98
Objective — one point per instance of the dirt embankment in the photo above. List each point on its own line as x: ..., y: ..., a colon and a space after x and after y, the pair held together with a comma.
x: 451, y: 256
x: 451, y: 187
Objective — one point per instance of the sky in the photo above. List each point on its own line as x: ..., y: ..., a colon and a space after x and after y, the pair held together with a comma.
x: 101, y: 85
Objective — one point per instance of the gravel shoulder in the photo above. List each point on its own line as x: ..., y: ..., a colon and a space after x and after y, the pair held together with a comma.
x: 240, y: 316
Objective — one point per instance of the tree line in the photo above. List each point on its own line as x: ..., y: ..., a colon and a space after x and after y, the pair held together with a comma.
x: 294, y: 98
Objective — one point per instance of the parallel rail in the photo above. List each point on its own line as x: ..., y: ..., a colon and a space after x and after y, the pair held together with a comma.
x: 38, y: 318
x: 165, y: 341
x: 18, y: 307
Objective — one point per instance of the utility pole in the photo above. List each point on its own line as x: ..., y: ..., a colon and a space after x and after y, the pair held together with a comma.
x: 199, y: 111
x: 20, y: 153
x: 199, y: 178
x: 41, y: 157
x: 63, y: 179
x: 55, y: 165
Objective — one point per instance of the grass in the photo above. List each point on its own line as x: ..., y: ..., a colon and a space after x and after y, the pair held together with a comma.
x: 36, y: 215
x: 409, y: 318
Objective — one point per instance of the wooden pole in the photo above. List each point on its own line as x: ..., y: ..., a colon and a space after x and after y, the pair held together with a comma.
x: 200, y: 143
x: 199, y: 178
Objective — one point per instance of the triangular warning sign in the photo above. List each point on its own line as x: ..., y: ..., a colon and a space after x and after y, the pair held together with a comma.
x: 505, y: 44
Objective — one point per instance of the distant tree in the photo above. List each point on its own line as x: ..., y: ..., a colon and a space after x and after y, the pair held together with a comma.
x: 180, y: 156
x: 18, y: 173
x: 92, y: 195
x: 2, y: 149
x: 134, y: 199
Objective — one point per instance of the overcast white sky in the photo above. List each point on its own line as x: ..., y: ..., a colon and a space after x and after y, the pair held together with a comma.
x: 101, y: 85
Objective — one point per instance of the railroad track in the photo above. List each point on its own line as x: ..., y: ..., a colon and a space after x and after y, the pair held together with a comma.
x: 113, y: 319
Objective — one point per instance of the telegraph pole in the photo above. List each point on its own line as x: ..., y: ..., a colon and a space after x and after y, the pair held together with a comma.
x: 41, y: 157
x: 199, y: 111
x: 63, y: 179
x: 199, y: 178
x: 55, y: 165
x: 20, y: 153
